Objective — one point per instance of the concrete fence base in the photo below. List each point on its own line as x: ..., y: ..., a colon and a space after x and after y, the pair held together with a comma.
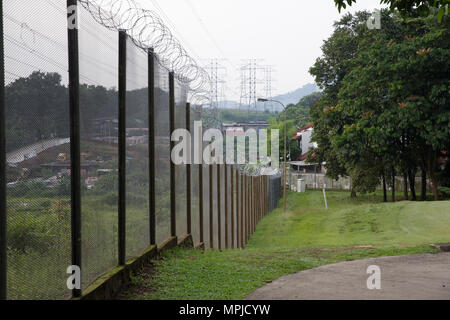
x: 186, y: 241
x: 200, y: 245
x: 112, y: 282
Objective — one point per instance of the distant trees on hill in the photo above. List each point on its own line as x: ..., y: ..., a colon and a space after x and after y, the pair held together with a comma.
x: 37, y: 108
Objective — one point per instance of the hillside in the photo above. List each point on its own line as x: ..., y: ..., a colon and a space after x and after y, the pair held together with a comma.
x: 292, y: 97
x: 295, y: 96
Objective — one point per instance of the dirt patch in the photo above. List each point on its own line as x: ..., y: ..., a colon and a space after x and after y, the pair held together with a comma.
x: 139, y: 283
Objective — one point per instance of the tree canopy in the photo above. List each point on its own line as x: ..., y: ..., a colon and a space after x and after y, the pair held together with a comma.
x: 407, y: 7
x: 386, y: 102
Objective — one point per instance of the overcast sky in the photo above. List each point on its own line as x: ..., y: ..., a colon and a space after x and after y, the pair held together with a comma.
x: 287, y: 34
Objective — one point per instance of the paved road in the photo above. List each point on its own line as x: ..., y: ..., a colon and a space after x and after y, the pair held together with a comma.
x: 423, y: 276
x: 34, y: 149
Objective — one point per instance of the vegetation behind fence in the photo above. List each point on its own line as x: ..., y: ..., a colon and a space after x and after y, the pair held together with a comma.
x: 90, y: 182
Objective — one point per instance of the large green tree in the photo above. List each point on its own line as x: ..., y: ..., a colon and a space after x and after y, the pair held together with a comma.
x: 329, y: 71
x: 390, y: 106
x: 398, y: 94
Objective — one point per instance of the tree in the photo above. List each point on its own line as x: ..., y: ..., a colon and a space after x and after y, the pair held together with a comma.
x: 407, y: 7
x: 329, y: 71
x: 300, y: 113
x: 390, y: 106
x: 35, y: 109
x: 293, y: 149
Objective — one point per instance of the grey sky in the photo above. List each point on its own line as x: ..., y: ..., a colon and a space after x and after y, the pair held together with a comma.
x: 286, y: 33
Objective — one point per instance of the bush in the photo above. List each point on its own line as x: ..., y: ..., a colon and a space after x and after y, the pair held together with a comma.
x: 25, y: 233
x: 445, y: 192
x: 107, y: 183
x: 110, y: 199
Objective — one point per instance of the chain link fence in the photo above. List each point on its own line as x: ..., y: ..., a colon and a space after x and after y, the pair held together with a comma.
x: 89, y: 173
x: 162, y: 153
x: 37, y: 149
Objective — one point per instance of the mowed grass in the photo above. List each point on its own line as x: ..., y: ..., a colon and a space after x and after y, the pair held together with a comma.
x: 306, y: 236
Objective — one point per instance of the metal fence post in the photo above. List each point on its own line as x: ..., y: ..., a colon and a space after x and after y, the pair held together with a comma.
x: 244, y: 239
x: 173, y: 208
x: 232, y: 206
x: 264, y: 187
x: 249, y: 217
x: 260, y: 198
x: 242, y: 210
x: 266, y: 190
x: 123, y: 38
x: 254, y: 197
x: 151, y: 146
x: 3, y: 246
x: 247, y: 223
x: 75, y: 162
x: 246, y: 210
x: 257, y: 198
x: 252, y: 203
x: 238, y: 210
x: 200, y: 204
x: 211, y: 207
x: 249, y: 213
x: 226, y: 205
x: 219, y: 220
x: 188, y: 174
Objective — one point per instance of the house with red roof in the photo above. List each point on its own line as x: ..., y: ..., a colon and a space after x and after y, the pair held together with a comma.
x: 303, y: 137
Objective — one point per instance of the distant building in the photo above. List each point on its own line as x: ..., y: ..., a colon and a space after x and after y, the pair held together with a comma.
x: 132, y: 141
x: 103, y: 127
x: 303, y: 138
x: 90, y: 182
x: 237, y: 127
x: 233, y: 131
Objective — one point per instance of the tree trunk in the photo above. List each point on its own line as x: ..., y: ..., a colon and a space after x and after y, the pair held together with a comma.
x: 405, y: 185
x: 412, y: 183
x: 431, y: 164
x: 353, y: 195
x: 434, y: 186
x: 393, y: 184
x: 423, y: 195
x: 384, y: 187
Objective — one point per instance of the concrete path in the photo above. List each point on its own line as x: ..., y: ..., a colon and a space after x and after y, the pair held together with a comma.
x: 422, y: 276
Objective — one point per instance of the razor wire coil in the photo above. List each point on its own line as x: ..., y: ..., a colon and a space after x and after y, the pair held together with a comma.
x: 148, y: 31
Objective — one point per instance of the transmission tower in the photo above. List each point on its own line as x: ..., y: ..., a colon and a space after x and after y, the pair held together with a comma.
x: 217, y: 74
x: 268, y: 87
x: 252, y: 77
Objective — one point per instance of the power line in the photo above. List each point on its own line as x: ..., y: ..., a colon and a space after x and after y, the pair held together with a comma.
x: 208, y: 33
x: 169, y: 22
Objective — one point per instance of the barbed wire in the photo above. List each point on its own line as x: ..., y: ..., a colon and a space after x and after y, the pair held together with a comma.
x: 148, y: 31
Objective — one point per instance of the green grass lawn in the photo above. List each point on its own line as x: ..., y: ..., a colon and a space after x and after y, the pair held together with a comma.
x: 306, y: 236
